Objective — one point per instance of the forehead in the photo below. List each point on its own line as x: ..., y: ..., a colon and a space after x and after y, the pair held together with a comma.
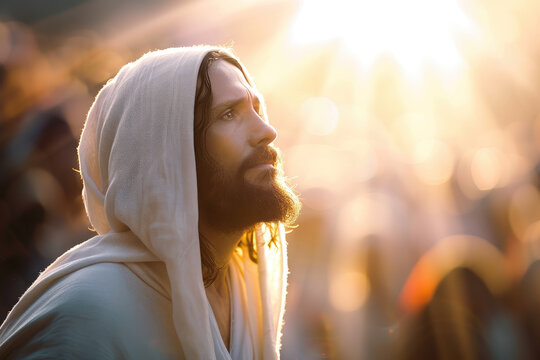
x: 228, y: 82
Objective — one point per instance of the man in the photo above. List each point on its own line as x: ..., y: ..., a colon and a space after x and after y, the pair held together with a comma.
x: 187, y: 196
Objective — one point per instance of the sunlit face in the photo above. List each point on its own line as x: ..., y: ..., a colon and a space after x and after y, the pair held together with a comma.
x: 239, y: 177
x: 238, y: 136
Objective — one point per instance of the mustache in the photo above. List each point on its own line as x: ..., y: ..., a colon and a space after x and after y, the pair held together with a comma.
x: 264, y: 155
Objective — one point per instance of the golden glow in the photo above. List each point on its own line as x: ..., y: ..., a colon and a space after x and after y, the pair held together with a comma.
x: 317, y: 165
x: 524, y: 209
x: 412, y: 128
x: 434, y: 161
x: 365, y: 214
x: 365, y: 162
x: 537, y: 133
x: 486, y: 168
x: 414, y: 32
x: 320, y: 115
x: 348, y: 290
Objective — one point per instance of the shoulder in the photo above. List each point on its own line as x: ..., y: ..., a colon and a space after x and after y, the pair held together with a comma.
x: 110, y: 294
x: 101, y: 311
x: 98, y: 286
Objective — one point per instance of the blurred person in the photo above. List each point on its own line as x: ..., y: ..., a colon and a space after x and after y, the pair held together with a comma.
x: 39, y: 192
x: 528, y: 308
x: 463, y: 320
x: 186, y: 192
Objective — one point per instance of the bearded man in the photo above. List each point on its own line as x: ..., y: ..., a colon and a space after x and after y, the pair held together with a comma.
x: 189, y: 201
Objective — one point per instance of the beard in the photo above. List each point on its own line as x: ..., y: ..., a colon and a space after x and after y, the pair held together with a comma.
x: 230, y: 203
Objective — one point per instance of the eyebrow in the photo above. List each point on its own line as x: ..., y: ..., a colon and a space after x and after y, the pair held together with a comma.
x: 233, y: 103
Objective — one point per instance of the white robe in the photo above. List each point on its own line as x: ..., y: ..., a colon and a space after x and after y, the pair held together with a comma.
x: 105, y: 296
x: 113, y: 310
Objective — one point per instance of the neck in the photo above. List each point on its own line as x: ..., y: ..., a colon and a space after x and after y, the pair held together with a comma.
x: 223, y: 244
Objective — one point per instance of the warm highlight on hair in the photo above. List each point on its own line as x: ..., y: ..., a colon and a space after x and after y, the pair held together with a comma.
x: 203, y: 102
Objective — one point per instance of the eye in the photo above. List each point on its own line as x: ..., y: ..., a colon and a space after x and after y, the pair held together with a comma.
x: 229, y: 115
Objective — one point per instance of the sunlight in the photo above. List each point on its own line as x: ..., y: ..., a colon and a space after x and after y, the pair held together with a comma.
x: 320, y: 115
x: 486, y: 168
x: 349, y: 290
x: 415, y: 33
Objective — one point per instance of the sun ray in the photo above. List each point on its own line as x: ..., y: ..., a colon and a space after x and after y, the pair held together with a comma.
x: 414, y: 32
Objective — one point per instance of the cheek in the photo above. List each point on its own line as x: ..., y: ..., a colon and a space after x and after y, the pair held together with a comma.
x: 225, y: 146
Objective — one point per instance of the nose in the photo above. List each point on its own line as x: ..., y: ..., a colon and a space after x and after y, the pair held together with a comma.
x: 262, y: 133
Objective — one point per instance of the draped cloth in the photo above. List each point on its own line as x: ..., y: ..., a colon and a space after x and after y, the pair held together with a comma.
x: 137, y: 164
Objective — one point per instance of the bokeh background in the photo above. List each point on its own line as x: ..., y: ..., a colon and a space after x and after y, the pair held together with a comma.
x: 411, y: 128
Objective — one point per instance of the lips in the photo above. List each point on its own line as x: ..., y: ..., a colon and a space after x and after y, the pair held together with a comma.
x: 270, y: 162
x: 263, y: 167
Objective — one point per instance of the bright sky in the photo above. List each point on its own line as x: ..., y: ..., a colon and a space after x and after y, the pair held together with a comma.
x: 414, y: 32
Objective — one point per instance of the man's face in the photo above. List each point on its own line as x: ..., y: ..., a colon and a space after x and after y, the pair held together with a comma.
x: 241, y: 183
x: 237, y: 128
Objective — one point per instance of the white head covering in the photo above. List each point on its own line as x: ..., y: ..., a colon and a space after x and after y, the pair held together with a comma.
x: 137, y: 163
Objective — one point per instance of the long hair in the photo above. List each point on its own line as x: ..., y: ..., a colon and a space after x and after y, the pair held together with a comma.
x: 203, y: 102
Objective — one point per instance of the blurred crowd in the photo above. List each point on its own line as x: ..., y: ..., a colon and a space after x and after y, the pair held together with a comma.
x: 420, y: 232
x: 44, y: 99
